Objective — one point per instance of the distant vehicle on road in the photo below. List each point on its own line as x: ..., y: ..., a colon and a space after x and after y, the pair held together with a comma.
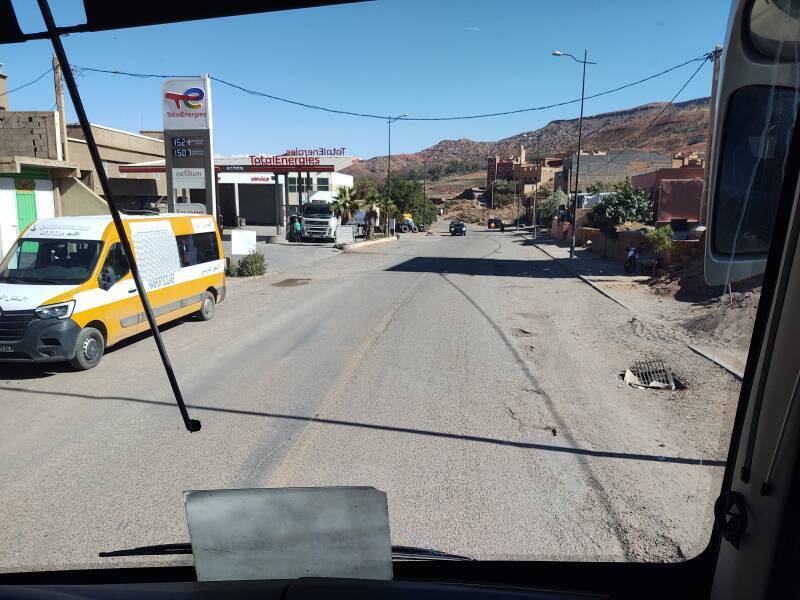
x: 406, y: 224
x: 68, y: 292
x: 494, y: 223
x: 458, y: 228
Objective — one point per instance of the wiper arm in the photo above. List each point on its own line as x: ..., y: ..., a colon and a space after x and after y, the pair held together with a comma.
x: 398, y: 552
x: 155, y: 550
x: 411, y: 553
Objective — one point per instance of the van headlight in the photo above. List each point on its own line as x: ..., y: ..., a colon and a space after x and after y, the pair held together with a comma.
x: 62, y: 310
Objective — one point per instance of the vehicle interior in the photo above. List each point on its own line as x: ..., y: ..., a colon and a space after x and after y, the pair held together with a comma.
x: 752, y: 548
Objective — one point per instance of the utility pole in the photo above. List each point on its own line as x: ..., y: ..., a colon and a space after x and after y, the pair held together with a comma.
x: 712, y: 117
x: 390, y: 120
x: 494, y: 181
x: 424, y: 189
x: 583, y: 62
x: 538, y: 179
x: 62, y: 115
x: 62, y: 128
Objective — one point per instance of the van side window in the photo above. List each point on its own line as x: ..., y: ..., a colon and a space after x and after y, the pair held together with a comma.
x: 197, y: 248
x: 187, y: 250
x: 116, y: 265
x: 207, y: 246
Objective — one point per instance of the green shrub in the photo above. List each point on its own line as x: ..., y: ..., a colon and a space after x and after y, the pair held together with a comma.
x: 659, y: 240
x: 251, y: 265
x: 549, y: 208
x: 625, y: 203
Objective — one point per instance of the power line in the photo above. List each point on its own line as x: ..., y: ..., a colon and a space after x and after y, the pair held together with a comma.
x: 656, y: 118
x: 24, y: 85
x: 564, y: 103
x: 253, y: 92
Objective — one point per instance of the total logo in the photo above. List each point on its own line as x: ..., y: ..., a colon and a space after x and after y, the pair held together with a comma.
x: 191, y: 98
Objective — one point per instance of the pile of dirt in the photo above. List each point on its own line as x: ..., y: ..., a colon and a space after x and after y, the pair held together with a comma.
x: 728, y: 322
x: 470, y: 212
x: 685, y: 281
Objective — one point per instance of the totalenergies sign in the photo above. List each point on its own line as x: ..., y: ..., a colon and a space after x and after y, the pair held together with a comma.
x: 186, y: 103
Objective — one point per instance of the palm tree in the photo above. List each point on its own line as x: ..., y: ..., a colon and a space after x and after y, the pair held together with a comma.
x: 346, y: 203
x: 336, y: 207
x: 371, y: 213
x: 387, y: 206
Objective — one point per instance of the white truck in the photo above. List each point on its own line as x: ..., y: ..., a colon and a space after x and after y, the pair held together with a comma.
x: 319, y: 222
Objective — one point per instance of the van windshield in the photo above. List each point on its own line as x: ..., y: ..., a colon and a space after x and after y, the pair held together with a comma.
x: 62, y: 262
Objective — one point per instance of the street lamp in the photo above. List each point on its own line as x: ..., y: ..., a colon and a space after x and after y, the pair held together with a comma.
x: 584, y: 62
x: 390, y: 120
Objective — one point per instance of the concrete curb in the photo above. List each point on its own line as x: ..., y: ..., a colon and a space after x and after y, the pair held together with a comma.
x: 586, y: 281
x: 707, y: 355
x: 357, y: 245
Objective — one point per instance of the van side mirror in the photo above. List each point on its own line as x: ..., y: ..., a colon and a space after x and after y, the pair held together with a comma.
x: 107, y: 278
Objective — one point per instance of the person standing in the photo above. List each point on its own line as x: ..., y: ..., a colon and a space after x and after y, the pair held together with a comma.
x: 298, y: 230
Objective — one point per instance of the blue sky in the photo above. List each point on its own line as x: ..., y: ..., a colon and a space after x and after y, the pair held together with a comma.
x: 421, y: 57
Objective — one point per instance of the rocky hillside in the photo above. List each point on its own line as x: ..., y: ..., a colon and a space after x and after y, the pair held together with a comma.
x: 682, y: 127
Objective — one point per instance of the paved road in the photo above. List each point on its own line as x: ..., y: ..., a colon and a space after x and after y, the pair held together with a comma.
x: 472, y: 379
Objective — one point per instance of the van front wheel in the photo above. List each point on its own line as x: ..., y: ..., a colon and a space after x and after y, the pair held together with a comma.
x: 89, y: 348
x: 207, y: 306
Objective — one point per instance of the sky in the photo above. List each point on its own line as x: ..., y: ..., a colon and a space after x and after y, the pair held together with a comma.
x: 387, y: 57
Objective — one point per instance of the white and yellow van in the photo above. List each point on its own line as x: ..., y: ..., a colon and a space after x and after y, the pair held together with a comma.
x: 66, y: 290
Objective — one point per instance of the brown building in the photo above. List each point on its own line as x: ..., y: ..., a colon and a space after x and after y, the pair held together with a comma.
x: 498, y: 168
x: 675, y: 191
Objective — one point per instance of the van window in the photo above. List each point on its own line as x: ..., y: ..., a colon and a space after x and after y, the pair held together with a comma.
x: 207, y: 247
x: 758, y: 127
x: 48, y: 261
x: 197, y: 248
x: 187, y: 250
x: 116, y: 265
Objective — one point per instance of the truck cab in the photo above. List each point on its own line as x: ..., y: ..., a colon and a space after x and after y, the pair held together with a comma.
x: 319, y: 221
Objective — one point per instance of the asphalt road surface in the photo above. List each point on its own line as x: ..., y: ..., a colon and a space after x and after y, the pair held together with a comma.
x: 473, y: 379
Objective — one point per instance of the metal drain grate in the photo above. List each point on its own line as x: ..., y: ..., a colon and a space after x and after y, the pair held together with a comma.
x: 650, y: 373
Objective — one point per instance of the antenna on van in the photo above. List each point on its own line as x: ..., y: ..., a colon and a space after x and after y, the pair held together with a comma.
x: 191, y: 424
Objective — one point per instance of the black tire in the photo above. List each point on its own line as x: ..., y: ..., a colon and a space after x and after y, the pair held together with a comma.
x: 208, y: 305
x: 89, y: 348
x: 404, y: 228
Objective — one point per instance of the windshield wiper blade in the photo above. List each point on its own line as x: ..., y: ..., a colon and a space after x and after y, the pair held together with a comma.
x: 411, y: 553
x: 398, y: 552
x: 155, y: 550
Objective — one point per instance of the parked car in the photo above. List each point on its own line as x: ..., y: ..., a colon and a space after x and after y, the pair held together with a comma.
x: 458, y: 228
x: 494, y: 223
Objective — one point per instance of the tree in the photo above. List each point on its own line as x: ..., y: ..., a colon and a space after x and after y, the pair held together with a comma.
x: 598, y: 187
x: 659, y: 241
x: 387, y: 207
x: 405, y: 194
x: 504, y: 192
x: 346, y: 205
x: 549, y: 209
x: 625, y: 203
x: 363, y: 187
x: 370, y: 205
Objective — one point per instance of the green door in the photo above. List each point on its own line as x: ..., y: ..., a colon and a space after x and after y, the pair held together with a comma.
x: 26, y: 205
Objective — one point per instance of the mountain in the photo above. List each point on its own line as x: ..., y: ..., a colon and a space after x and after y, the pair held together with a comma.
x: 682, y: 127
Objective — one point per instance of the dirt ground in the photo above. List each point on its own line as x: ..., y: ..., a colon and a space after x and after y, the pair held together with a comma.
x: 469, y: 211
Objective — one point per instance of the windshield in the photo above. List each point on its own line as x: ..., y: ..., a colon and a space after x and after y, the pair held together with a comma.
x: 317, y: 210
x: 530, y: 389
x: 45, y: 261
